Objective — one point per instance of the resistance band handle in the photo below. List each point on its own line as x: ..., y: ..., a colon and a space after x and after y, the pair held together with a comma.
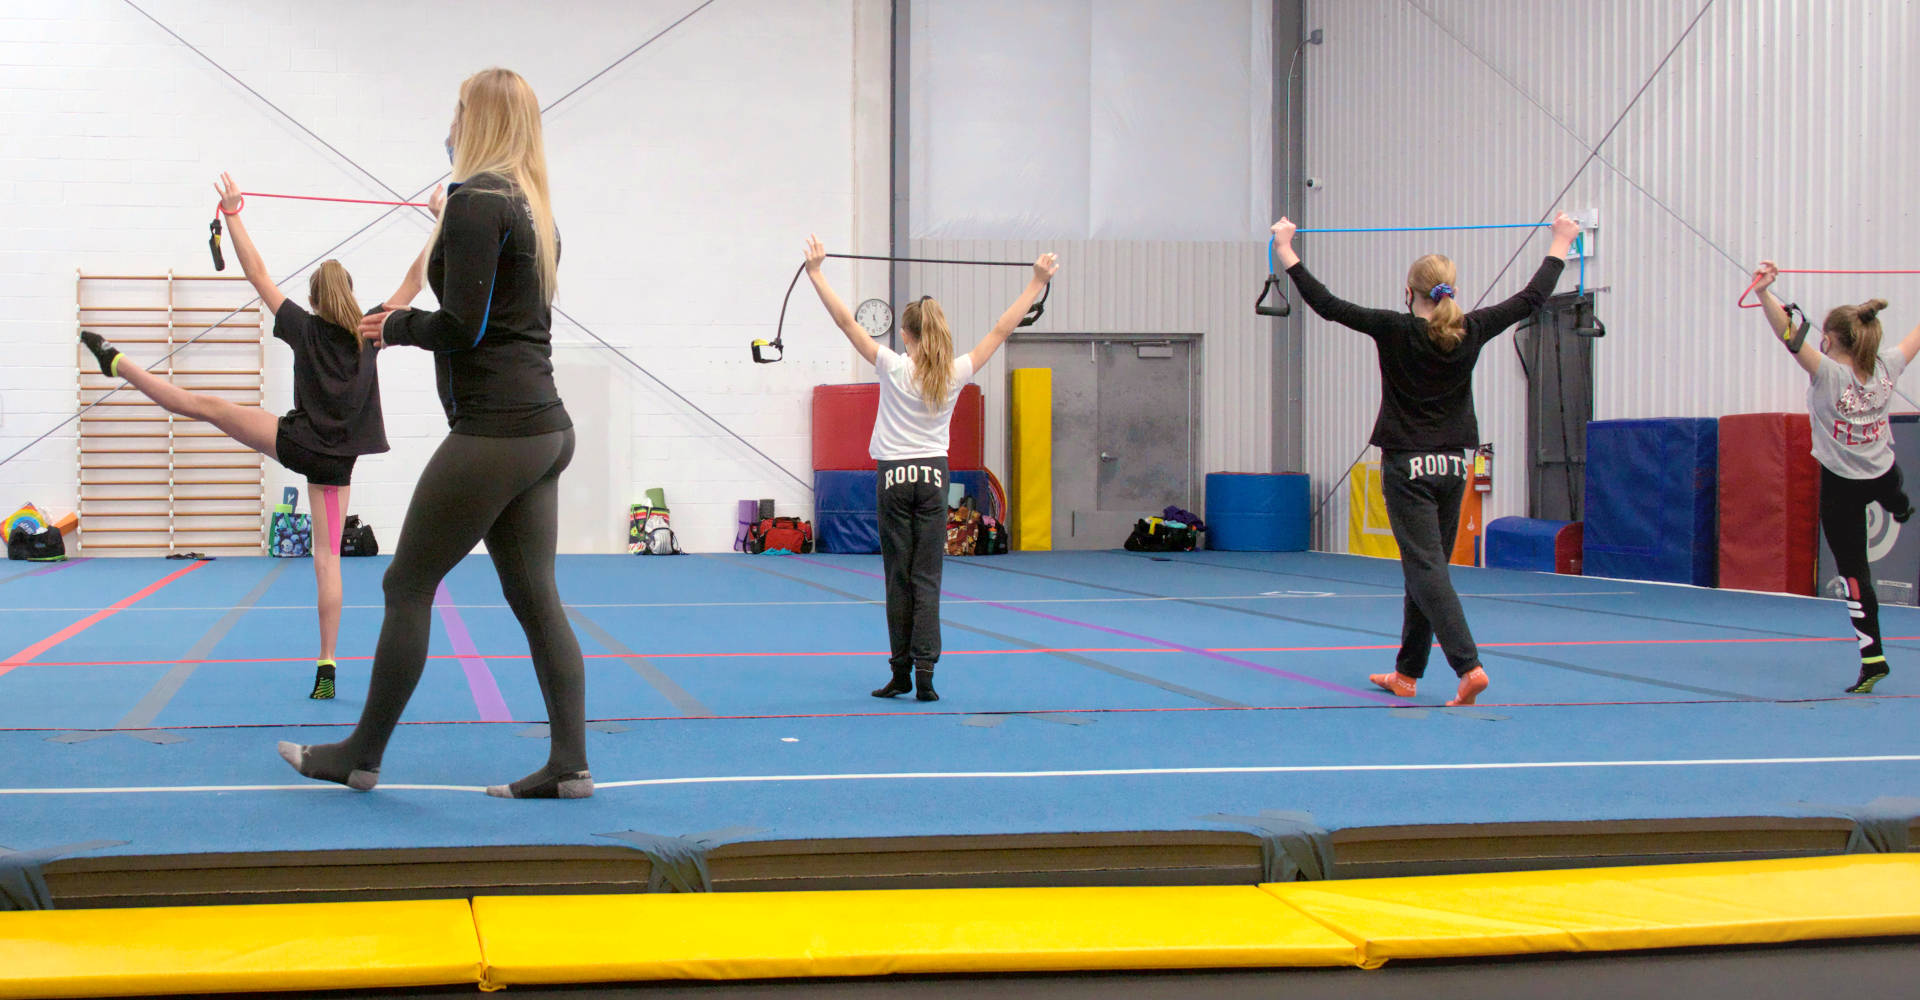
x: 1038, y: 309
x: 213, y: 244
x: 1593, y: 329
x: 1742, y: 301
x: 1796, y: 337
x: 1272, y: 287
x: 767, y: 352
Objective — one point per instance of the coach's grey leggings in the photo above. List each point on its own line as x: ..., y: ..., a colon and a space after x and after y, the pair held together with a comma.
x: 506, y: 491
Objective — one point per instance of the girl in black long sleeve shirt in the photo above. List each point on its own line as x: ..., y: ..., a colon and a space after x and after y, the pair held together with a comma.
x: 496, y: 476
x: 1425, y: 428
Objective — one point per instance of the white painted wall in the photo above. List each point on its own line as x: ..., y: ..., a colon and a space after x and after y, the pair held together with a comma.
x: 1777, y: 128
x: 1134, y: 139
x: 1121, y: 120
x: 684, y: 183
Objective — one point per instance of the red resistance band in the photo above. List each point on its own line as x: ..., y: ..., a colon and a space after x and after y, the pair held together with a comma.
x: 1744, y: 304
x: 213, y: 241
x: 244, y: 195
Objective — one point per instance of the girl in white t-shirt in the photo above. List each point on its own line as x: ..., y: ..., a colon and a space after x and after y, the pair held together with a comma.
x: 1851, y: 388
x: 917, y: 392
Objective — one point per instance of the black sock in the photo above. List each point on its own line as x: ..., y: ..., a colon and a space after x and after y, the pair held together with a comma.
x: 1870, y: 674
x: 1905, y: 511
x: 103, y: 352
x: 923, y: 680
x: 547, y: 783
x: 901, y: 683
x: 323, y: 681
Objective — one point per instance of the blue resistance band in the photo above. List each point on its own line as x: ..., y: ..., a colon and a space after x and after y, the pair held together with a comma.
x: 1579, y: 240
x: 1580, y: 246
x: 1429, y: 229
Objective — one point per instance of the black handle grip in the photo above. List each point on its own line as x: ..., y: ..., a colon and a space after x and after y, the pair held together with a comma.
x: 1272, y: 287
x: 213, y: 244
x: 1038, y: 309
x: 1796, y: 321
x: 762, y: 349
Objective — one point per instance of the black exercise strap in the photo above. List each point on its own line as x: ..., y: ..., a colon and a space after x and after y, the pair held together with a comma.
x: 767, y: 352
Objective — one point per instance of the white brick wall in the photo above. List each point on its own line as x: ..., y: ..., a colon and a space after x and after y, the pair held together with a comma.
x: 684, y: 183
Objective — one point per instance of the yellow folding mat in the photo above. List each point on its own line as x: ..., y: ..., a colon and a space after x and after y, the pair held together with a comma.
x: 228, y: 949
x: 578, y: 939
x: 496, y: 942
x: 1613, y: 909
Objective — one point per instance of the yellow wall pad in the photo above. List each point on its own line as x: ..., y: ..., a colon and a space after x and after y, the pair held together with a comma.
x: 576, y: 939
x: 1611, y: 909
x: 1032, y: 421
x: 224, y: 949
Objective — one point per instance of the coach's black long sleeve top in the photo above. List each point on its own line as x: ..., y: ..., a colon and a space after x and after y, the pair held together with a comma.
x: 1426, y: 394
x: 492, y: 335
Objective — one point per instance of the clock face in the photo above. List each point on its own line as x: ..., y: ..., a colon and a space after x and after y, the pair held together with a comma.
x: 875, y: 317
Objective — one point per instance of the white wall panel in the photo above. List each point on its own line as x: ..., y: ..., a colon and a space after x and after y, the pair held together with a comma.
x: 1076, y: 119
x: 1776, y: 129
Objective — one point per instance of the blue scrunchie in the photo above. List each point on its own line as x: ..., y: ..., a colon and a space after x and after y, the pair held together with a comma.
x: 1441, y: 291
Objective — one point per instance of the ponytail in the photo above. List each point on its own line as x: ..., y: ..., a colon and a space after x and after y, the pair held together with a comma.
x: 1433, y: 276
x: 933, y: 358
x: 1857, y: 330
x: 330, y: 291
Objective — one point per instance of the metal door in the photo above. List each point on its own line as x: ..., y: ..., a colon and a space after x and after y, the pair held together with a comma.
x: 1125, y: 430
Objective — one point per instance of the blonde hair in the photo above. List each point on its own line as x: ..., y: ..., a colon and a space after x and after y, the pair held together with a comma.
x: 330, y: 292
x: 499, y: 126
x: 933, y: 351
x: 1448, y: 325
x: 1857, y: 328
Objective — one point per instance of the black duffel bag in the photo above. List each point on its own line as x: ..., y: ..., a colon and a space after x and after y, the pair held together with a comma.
x: 356, y: 538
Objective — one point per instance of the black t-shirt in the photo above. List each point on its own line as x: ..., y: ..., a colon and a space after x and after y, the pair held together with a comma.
x: 336, y: 387
x: 492, y: 335
x: 1426, y: 394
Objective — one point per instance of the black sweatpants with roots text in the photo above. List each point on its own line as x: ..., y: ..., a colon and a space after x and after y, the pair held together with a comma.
x: 913, y: 543
x: 1423, y: 494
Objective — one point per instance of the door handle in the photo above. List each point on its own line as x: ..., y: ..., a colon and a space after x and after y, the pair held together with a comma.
x: 1104, y: 457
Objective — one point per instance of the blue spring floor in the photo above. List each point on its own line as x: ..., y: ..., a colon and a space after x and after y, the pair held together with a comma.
x: 1082, y: 692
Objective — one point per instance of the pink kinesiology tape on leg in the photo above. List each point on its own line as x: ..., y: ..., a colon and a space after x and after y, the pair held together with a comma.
x: 334, y: 527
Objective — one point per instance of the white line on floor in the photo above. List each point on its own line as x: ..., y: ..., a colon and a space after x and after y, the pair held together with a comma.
x: 1135, y: 772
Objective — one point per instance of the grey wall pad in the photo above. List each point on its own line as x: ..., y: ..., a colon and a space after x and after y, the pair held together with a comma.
x: 1293, y: 848
x: 23, y: 886
x: 680, y: 863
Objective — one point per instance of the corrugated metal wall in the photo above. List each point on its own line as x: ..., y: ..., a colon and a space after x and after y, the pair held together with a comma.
x: 1127, y: 287
x: 1777, y: 128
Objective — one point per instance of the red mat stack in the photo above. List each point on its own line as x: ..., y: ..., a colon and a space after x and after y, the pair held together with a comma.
x: 1769, y: 503
x: 843, y: 424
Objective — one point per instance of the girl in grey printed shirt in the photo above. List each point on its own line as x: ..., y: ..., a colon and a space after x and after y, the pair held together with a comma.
x: 1852, y: 386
